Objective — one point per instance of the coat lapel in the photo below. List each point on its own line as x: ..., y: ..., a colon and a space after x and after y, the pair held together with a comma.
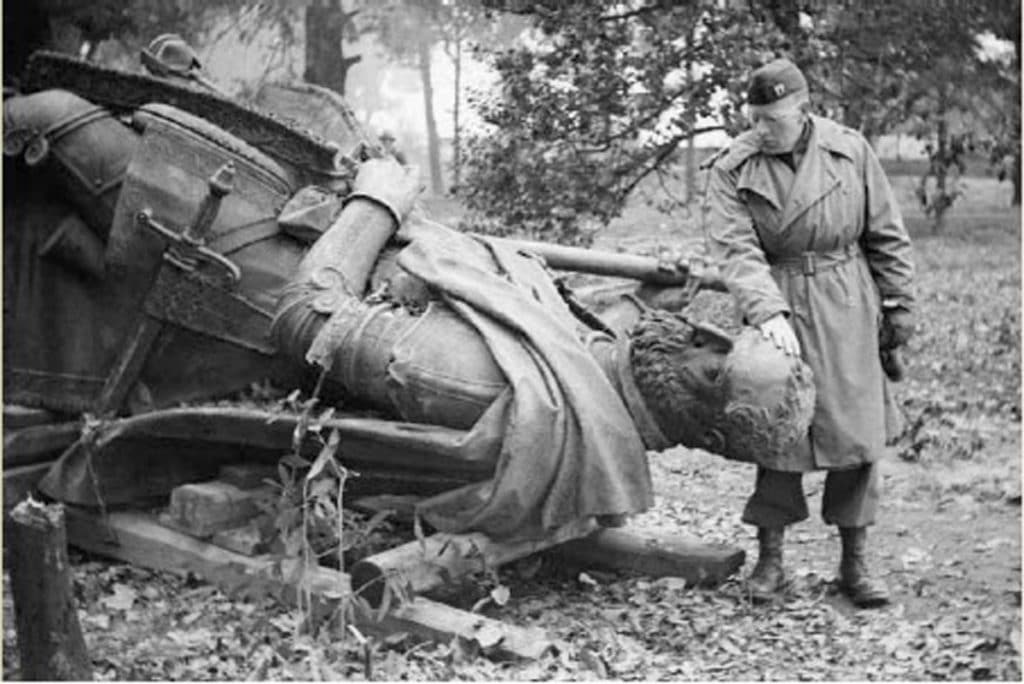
x: 815, y: 178
x: 756, y: 177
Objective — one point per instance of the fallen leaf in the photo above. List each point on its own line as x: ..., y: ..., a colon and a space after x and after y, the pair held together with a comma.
x: 123, y: 598
x: 488, y: 636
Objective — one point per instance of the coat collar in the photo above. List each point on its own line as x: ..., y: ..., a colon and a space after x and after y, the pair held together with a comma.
x: 815, y: 177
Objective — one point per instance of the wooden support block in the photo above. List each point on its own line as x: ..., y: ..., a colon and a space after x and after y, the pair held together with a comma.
x: 20, y: 481
x: 247, y: 475
x: 436, y: 621
x: 653, y: 554
x: 422, y: 566
x: 205, y: 508
x: 139, y: 539
x: 247, y: 539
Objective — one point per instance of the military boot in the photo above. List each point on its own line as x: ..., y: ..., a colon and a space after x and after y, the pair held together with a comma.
x: 855, y: 580
x: 767, y: 579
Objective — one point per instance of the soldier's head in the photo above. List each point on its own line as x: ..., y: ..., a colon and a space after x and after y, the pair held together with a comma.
x: 777, y: 105
x: 732, y: 393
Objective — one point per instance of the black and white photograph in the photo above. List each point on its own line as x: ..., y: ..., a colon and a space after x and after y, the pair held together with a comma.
x: 512, y: 340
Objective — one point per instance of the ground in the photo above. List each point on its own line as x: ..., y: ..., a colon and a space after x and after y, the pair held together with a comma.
x: 948, y: 541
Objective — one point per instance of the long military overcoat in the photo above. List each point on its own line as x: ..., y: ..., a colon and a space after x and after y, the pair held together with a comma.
x: 824, y: 245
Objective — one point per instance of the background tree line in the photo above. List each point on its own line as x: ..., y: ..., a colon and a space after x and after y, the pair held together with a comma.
x: 594, y: 99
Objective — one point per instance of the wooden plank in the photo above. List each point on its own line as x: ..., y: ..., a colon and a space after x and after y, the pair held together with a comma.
x: 440, y: 622
x: 20, y: 481
x: 141, y: 540
x: 654, y: 554
x: 424, y: 565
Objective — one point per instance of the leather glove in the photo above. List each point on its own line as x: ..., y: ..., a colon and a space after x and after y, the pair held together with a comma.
x: 897, y: 328
x: 389, y: 184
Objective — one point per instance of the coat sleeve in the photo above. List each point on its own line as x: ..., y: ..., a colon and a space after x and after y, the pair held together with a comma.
x: 736, y: 248
x: 885, y: 241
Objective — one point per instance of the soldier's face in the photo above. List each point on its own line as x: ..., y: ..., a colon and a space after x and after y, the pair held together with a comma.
x: 777, y: 127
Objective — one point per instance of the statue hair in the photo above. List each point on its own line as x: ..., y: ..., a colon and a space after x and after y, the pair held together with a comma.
x: 659, y: 342
x: 772, y: 431
x: 708, y: 414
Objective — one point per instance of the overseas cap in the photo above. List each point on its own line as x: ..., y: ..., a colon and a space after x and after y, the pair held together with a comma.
x: 774, y: 81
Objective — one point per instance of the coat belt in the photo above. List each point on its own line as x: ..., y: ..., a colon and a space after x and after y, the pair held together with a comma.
x: 809, y: 263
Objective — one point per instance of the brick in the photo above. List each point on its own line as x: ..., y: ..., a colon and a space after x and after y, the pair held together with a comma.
x: 205, y: 508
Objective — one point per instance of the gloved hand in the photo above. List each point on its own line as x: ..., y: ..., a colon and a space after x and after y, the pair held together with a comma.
x: 896, y: 329
x: 388, y: 183
x: 780, y: 332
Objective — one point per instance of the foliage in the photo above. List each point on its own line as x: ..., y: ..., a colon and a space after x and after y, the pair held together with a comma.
x: 597, y: 102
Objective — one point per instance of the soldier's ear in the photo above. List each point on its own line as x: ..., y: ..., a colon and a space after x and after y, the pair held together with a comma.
x: 708, y: 335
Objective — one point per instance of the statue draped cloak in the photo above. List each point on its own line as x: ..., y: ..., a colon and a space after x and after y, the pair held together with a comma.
x: 563, y: 441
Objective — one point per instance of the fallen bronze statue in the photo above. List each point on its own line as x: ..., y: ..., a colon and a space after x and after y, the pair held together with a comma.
x: 168, y: 250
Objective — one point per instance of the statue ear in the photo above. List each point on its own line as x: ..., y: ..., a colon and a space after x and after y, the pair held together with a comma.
x: 708, y: 335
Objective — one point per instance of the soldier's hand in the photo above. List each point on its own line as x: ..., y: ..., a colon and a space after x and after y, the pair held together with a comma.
x: 388, y: 183
x: 780, y: 332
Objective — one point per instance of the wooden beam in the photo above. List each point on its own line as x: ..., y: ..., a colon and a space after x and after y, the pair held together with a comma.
x: 653, y: 554
x: 139, y: 539
x: 421, y: 566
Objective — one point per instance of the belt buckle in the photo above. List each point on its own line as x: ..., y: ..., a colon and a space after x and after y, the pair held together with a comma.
x: 807, y: 265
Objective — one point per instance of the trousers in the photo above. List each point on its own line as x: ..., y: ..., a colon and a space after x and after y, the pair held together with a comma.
x: 850, y: 498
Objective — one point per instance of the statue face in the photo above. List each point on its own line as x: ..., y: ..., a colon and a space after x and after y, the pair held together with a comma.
x: 769, y: 401
x: 738, y: 396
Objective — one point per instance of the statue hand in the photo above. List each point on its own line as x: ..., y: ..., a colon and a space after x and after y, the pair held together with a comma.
x: 780, y: 332
x: 389, y: 184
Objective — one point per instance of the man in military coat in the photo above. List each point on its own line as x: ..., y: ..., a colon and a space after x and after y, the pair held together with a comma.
x: 812, y: 244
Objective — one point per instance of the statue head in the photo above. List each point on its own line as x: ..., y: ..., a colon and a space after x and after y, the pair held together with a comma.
x: 732, y: 393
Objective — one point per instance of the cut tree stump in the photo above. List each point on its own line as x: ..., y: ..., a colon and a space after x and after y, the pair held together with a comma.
x: 141, y: 540
x: 50, y: 641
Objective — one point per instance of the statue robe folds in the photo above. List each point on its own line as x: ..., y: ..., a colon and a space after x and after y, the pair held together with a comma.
x: 566, y: 445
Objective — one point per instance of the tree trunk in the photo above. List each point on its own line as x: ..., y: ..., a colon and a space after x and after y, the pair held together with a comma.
x: 326, y: 63
x: 939, y: 164
x: 1016, y: 177
x: 456, y: 151
x: 50, y: 641
x: 691, y: 145
x: 433, y: 141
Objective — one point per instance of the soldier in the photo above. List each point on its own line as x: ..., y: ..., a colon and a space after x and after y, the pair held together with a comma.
x: 811, y: 243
